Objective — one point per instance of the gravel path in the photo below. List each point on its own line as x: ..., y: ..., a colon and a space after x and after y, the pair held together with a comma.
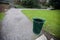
x: 16, y: 26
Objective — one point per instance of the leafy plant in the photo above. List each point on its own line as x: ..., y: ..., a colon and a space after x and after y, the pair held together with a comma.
x: 55, y: 4
x: 30, y: 4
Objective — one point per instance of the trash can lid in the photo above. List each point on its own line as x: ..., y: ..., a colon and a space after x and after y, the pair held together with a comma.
x: 38, y: 20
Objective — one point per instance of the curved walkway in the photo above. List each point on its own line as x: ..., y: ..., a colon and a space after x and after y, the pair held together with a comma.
x: 16, y: 26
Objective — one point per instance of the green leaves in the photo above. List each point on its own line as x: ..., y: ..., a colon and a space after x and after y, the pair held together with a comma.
x: 55, y: 3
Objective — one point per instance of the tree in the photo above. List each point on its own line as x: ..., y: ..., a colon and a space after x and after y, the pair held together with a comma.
x: 55, y: 4
x: 31, y: 4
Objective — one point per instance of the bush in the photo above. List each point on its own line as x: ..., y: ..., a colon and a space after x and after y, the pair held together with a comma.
x: 27, y: 4
x: 55, y: 4
x: 30, y: 4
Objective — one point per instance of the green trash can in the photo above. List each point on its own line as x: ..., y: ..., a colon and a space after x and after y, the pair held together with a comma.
x: 37, y: 25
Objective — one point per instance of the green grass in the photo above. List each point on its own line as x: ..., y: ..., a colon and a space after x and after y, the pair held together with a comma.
x: 51, y: 17
x: 1, y: 16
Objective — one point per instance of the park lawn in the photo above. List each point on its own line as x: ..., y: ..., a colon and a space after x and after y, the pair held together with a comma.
x: 51, y: 17
x: 1, y: 16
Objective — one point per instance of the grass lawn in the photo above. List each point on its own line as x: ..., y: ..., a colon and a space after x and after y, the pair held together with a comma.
x: 1, y: 16
x: 51, y: 17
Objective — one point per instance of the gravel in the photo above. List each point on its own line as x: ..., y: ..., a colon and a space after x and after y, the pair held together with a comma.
x: 16, y: 26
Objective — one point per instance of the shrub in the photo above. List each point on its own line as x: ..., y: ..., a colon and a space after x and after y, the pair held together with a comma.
x: 55, y: 4
x: 30, y: 4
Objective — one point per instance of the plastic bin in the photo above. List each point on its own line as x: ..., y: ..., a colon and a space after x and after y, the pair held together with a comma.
x: 37, y: 25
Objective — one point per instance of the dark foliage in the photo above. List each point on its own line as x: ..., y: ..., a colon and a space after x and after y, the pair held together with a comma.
x: 30, y: 4
x: 55, y: 4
